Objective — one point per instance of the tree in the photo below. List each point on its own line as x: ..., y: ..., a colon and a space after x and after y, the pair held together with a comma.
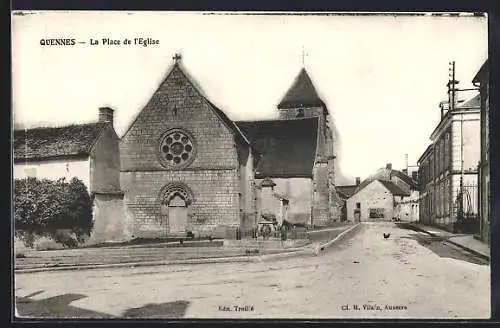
x: 44, y: 207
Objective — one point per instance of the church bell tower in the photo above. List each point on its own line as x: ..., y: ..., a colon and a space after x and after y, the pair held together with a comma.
x: 302, y: 101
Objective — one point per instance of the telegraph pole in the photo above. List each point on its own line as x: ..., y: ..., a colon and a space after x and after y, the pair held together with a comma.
x: 452, y: 101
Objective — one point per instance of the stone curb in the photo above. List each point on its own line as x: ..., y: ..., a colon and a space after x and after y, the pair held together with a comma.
x: 277, y: 256
x: 233, y: 259
x: 341, y: 236
x: 304, y: 250
x: 468, y: 249
x: 137, y: 264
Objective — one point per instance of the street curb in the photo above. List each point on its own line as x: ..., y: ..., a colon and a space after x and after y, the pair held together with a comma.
x: 136, y: 264
x: 468, y: 249
x: 280, y: 255
x: 341, y: 236
x: 232, y: 259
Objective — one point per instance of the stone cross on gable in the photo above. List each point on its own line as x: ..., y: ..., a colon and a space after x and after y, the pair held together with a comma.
x: 304, y: 55
x: 177, y: 58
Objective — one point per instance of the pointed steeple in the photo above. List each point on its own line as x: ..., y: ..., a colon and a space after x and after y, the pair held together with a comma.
x: 301, y: 94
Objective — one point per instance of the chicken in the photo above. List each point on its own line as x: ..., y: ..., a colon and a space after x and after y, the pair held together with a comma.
x: 386, y: 235
x: 318, y: 249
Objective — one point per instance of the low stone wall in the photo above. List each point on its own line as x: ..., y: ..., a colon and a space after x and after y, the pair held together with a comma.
x: 267, y: 243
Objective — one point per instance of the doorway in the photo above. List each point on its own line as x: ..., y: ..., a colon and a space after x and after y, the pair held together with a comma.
x: 177, y: 214
x: 176, y: 200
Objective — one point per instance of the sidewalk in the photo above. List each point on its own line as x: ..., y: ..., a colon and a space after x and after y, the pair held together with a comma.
x: 465, y: 241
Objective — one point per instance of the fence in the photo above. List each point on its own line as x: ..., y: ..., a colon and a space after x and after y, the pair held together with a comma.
x: 294, y: 234
x: 467, y: 204
x: 470, y: 199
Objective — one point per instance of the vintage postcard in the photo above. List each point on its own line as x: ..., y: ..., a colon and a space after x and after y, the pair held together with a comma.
x: 250, y: 165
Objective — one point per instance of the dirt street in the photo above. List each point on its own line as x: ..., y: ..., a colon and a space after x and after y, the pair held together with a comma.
x: 408, y: 275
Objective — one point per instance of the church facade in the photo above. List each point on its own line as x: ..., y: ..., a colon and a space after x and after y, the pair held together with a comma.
x: 187, y: 167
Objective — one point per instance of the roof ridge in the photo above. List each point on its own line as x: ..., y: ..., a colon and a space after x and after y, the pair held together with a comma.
x: 170, y: 71
x: 280, y: 120
x: 103, y: 128
x: 390, y: 184
x: 60, y: 127
x: 219, y: 112
x: 55, y: 142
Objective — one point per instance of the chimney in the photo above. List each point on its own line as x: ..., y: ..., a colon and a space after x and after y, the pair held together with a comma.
x: 267, y: 182
x: 358, y: 180
x: 405, y: 171
x: 388, y: 166
x: 106, y: 115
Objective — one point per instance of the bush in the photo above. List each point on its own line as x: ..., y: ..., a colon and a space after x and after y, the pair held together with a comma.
x: 467, y: 224
x: 44, y: 207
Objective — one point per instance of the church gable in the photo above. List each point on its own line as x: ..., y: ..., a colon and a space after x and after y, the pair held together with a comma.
x: 180, y: 128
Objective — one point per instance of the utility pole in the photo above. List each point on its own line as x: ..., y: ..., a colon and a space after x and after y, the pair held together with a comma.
x: 452, y: 101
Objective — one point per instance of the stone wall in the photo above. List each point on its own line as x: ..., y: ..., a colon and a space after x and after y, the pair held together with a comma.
x: 470, y: 135
x: 215, y: 202
x: 324, y: 207
x: 110, y: 220
x: 375, y: 195
x: 299, y: 193
x: 105, y: 163
x: 212, y: 174
x: 248, y: 205
x: 485, y: 163
x: 321, y: 212
x: 178, y: 104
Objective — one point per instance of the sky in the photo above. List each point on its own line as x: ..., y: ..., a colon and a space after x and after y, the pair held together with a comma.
x: 381, y: 77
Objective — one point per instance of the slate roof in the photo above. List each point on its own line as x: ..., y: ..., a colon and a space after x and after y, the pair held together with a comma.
x: 385, y: 174
x: 394, y: 188
x: 301, y: 94
x: 424, y: 154
x: 346, y: 191
x: 406, y: 178
x: 481, y: 74
x: 288, y: 147
x: 474, y: 102
x: 56, y: 142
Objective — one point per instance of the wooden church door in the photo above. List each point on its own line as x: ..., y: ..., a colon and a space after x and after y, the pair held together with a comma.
x: 177, y: 214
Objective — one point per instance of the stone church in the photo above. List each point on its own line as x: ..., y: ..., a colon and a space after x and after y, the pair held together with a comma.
x: 187, y: 167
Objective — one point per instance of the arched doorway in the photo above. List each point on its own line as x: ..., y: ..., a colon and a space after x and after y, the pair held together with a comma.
x: 177, y: 214
x: 175, y: 203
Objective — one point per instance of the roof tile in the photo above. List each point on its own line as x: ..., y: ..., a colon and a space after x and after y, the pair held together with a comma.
x: 56, y: 142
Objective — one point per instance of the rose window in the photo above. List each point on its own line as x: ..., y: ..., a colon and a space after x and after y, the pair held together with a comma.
x: 176, y: 148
